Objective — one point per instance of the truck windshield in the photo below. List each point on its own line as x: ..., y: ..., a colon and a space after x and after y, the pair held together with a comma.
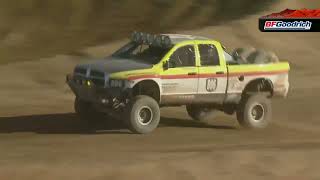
x: 141, y: 52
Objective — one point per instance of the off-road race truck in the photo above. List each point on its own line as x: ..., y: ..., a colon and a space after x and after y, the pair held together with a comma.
x: 153, y: 71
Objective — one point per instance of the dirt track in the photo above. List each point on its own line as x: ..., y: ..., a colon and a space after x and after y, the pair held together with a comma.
x: 41, y: 138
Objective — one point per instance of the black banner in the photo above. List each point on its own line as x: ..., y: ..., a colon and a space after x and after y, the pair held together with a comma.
x: 289, y: 25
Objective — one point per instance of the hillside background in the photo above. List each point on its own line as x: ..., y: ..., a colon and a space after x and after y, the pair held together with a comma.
x: 32, y: 29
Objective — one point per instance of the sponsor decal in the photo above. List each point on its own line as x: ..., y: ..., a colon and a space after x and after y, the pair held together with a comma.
x: 168, y: 87
x: 211, y: 84
x: 283, y: 25
x: 304, y: 20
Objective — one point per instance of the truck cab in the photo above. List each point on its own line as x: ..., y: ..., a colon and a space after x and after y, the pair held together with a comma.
x: 195, y: 72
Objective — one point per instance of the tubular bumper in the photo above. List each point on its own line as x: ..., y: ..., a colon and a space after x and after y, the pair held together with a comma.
x: 88, y: 91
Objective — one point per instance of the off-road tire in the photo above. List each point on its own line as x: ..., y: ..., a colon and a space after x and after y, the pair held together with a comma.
x: 143, y: 115
x: 254, y: 112
x: 200, y: 113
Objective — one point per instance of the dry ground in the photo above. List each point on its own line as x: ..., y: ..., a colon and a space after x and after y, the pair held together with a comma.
x: 41, y: 138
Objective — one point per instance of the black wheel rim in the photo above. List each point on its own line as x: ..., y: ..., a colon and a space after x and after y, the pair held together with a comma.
x: 257, y: 112
x: 145, y: 115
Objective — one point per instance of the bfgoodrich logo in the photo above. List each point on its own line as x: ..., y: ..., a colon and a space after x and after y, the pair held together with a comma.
x: 290, y: 20
x: 282, y: 25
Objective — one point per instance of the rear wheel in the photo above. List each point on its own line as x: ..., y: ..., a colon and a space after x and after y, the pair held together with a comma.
x: 254, y: 112
x: 143, y: 115
x: 200, y: 113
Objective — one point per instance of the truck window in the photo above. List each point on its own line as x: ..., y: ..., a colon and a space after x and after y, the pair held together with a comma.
x: 182, y: 57
x: 209, y: 55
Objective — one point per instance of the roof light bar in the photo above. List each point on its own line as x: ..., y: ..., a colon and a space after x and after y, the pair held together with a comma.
x: 151, y: 39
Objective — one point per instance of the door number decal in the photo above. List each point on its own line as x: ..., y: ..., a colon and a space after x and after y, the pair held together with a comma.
x: 211, y: 84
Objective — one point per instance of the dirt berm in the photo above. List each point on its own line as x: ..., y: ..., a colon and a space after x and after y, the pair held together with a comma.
x: 31, y: 29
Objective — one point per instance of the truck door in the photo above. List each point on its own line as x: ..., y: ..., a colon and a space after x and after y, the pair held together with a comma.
x: 180, y: 80
x: 212, y: 74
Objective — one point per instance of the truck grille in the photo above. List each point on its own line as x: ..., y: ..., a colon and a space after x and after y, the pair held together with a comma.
x: 98, y: 82
x: 97, y: 74
x: 96, y: 77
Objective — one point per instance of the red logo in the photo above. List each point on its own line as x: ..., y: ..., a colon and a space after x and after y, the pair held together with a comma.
x: 307, y: 20
x: 268, y: 24
x: 290, y: 13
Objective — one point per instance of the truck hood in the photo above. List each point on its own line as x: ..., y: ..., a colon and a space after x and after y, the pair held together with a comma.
x: 111, y: 65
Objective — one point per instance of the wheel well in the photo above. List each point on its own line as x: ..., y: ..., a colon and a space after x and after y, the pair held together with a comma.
x: 147, y: 87
x: 259, y: 85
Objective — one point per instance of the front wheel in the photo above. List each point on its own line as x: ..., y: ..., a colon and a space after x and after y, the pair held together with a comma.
x: 143, y: 115
x: 254, y: 112
x: 200, y: 113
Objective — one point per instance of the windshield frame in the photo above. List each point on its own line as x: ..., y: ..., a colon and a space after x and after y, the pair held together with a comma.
x: 144, y: 54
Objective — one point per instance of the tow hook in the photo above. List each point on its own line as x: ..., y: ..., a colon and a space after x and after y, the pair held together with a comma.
x: 116, y: 104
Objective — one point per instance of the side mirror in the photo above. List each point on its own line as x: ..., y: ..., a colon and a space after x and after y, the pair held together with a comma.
x: 165, y: 65
x: 169, y: 64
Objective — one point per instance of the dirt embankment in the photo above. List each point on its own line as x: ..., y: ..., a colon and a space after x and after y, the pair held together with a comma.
x: 31, y: 29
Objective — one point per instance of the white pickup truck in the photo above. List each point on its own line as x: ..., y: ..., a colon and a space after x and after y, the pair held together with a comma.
x: 153, y: 71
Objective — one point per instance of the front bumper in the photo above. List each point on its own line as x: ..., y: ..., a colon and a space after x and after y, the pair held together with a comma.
x: 96, y: 94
